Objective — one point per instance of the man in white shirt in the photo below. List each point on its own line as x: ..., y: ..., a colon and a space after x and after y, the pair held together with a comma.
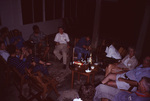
x: 112, y: 52
x: 3, y: 51
x: 62, y: 44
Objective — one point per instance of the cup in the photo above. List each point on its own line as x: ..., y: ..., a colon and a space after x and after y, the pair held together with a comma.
x: 92, y: 67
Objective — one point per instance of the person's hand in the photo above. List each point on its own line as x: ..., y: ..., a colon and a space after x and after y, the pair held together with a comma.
x: 33, y: 63
x: 48, y: 63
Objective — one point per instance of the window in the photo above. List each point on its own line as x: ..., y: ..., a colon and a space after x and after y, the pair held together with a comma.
x: 27, y: 11
x: 38, y: 10
x: 49, y: 9
x: 67, y: 8
x: 58, y: 9
x: 70, y: 8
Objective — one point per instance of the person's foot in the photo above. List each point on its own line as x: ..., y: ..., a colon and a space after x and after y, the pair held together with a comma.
x: 64, y: 66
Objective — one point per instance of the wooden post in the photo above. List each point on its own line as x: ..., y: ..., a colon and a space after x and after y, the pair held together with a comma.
x: 143, y: 30
x: 95, y: 36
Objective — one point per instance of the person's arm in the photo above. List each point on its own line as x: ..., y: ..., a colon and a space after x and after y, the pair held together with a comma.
x: 67, y: 40
x: 41, y: 62
x: 125, y: 69
x: 56, y: 40
x: 131, y: 82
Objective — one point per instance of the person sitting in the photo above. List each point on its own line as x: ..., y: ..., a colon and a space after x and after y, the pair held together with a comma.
x: 83, y: 47
x: 129, y: 62
x: 114, y: 94
x: 20, y: 65
x: 4, y: 35
x: 38, y: 39
x: 112, y: 52
x: 131, y: 77
x: 32, y: 58
x: 62, y: 45
x: 17, y: 39
x: 3, y: 51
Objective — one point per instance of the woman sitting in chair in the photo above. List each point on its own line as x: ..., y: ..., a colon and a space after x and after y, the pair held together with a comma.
x: 129, y: 62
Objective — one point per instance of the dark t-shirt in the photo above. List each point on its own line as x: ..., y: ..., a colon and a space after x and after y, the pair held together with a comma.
x: 82, y: 42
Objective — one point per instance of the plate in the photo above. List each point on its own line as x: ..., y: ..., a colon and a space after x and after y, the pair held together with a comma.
x: 95, y: 63
x: 87, y: 71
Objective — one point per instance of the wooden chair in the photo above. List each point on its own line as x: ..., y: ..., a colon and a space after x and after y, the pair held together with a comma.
x: 19, y: 80
x: 100, y: 51
x: 123, y: 52
x: 43, y: 85
x: 5, y: 70
x: 74, y: 56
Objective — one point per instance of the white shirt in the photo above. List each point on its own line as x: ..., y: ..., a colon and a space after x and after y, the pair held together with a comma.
x: 4, y: 54
x: 126, y: 61
x: 62, y: 38
x: 112, y: 52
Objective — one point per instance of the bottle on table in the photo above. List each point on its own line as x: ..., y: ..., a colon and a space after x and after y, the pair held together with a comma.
x: 89, y: 67
x: 90, y: 58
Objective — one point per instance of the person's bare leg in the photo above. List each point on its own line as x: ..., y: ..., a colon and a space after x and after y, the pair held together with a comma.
x: 112, y: 83
x: 108, y: 78
x: 109, y: 69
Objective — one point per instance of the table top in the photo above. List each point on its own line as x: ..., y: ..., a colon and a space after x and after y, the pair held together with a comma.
x: 82, y: 68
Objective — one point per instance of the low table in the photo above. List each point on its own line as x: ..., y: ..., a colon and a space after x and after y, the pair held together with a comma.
x: 81, y: 71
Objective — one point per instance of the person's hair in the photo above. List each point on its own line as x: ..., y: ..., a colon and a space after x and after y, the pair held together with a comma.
x: 11, y: 49
x: 3, y: 30
x: 35, y: 27
x: 61, y: 27
x: 15, y: 31
x: 146, y: 83
x: 131, y: 47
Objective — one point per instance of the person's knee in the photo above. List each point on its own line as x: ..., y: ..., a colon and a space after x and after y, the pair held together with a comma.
x: 111, y: 76
x: 55, y: 52
x: 110, y: 66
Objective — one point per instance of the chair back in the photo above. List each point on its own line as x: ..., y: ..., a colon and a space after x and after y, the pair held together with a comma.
x: 74, y: 57
x: 123, y: 52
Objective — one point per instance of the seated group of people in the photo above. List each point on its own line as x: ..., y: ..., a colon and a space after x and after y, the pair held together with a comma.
x: 23, y: 58
x: 118, y: 77
x: 21, y: 54
x: 124, y: 81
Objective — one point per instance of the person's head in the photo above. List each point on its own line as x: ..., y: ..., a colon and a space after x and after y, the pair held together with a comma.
x: 146, y: 61
x: 16, y: 32
x: 11, y: 49
x: 4, y: 32
x: 131, y: 51
x: 36, y: 29
x: 2, y: 46
x: 144, y: 85
x: 61, y: 30
x: 87, y: 38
